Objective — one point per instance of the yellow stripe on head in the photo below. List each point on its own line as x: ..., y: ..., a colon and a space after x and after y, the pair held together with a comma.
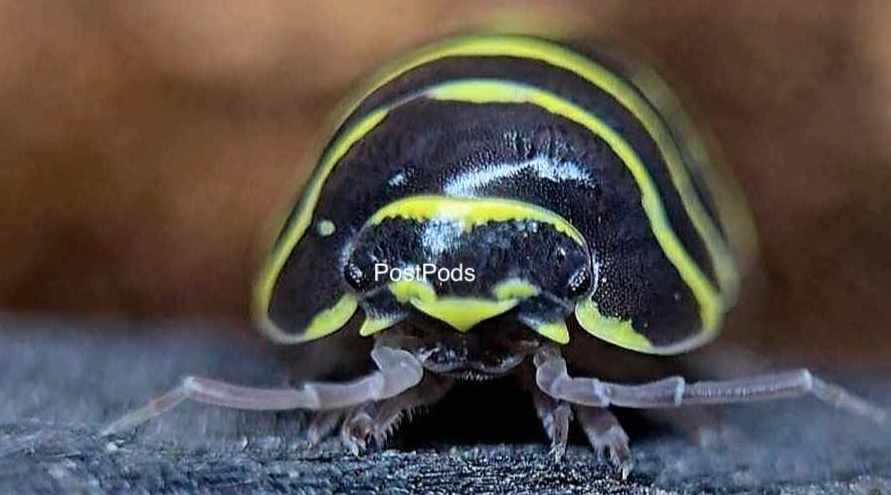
x: 514, y: 288
x: 555, y: 330
x: 409, y: 290
x: 461, y: 313
x: 473, y: 212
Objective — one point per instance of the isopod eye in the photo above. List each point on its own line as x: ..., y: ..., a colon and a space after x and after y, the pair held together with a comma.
x: 356, y: 277
x: 579, y: 283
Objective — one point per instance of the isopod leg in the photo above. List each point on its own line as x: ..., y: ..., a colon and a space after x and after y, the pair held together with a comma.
x: 606, y: 436
x: 377, y: 420
x: 322, y: 424
x: 552, y: 378
x: 398, y: 371
x: 555, y: 416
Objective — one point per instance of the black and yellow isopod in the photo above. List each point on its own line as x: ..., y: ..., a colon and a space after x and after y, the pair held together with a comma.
x: 485, y: 199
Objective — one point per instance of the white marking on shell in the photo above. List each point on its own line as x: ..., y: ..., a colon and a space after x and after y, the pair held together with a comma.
x: 469, y: 183
x: 438, y: 236
x: 398, y: 179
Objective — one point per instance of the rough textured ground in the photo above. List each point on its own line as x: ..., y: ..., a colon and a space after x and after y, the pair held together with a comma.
x: 59, y: 383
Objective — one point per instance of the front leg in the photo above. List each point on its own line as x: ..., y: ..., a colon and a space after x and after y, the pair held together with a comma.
x: 378, y: 420
x: 555, y: 416
x: 602, y: 429
x: 398, y: 371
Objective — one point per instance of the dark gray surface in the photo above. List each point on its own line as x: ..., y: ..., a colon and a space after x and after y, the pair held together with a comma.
x: 61, y: 381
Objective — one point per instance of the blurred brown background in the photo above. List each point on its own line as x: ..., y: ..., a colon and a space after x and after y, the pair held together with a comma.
x: 144, y: 145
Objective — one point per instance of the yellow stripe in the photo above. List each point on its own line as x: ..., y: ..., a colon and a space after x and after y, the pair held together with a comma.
x: 515, y: 288
x: 407, y: 290
x: 472, y: 212
x: 295, y: 230
x: 373, y: 325
x: 461, y: 313
x: 621, y: 333
x: 613, y: 330
x: 324, y: 322
x: 603, y: 78
x: 730, y: 201
x: 490, y: 91
x: 556, y: 331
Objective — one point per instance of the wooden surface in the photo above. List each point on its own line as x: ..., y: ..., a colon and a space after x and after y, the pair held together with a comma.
x: 60, y: 380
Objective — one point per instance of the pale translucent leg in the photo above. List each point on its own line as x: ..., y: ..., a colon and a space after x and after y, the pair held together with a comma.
x: 552, y: 378
x: 606, y: 436
x: 555, y: 416
x: 398, y: 371
x: 355, y: 429
x: 322, y: 424
x: 378, y: 420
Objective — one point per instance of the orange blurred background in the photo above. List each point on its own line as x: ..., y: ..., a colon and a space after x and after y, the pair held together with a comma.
x: 144, y: 146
